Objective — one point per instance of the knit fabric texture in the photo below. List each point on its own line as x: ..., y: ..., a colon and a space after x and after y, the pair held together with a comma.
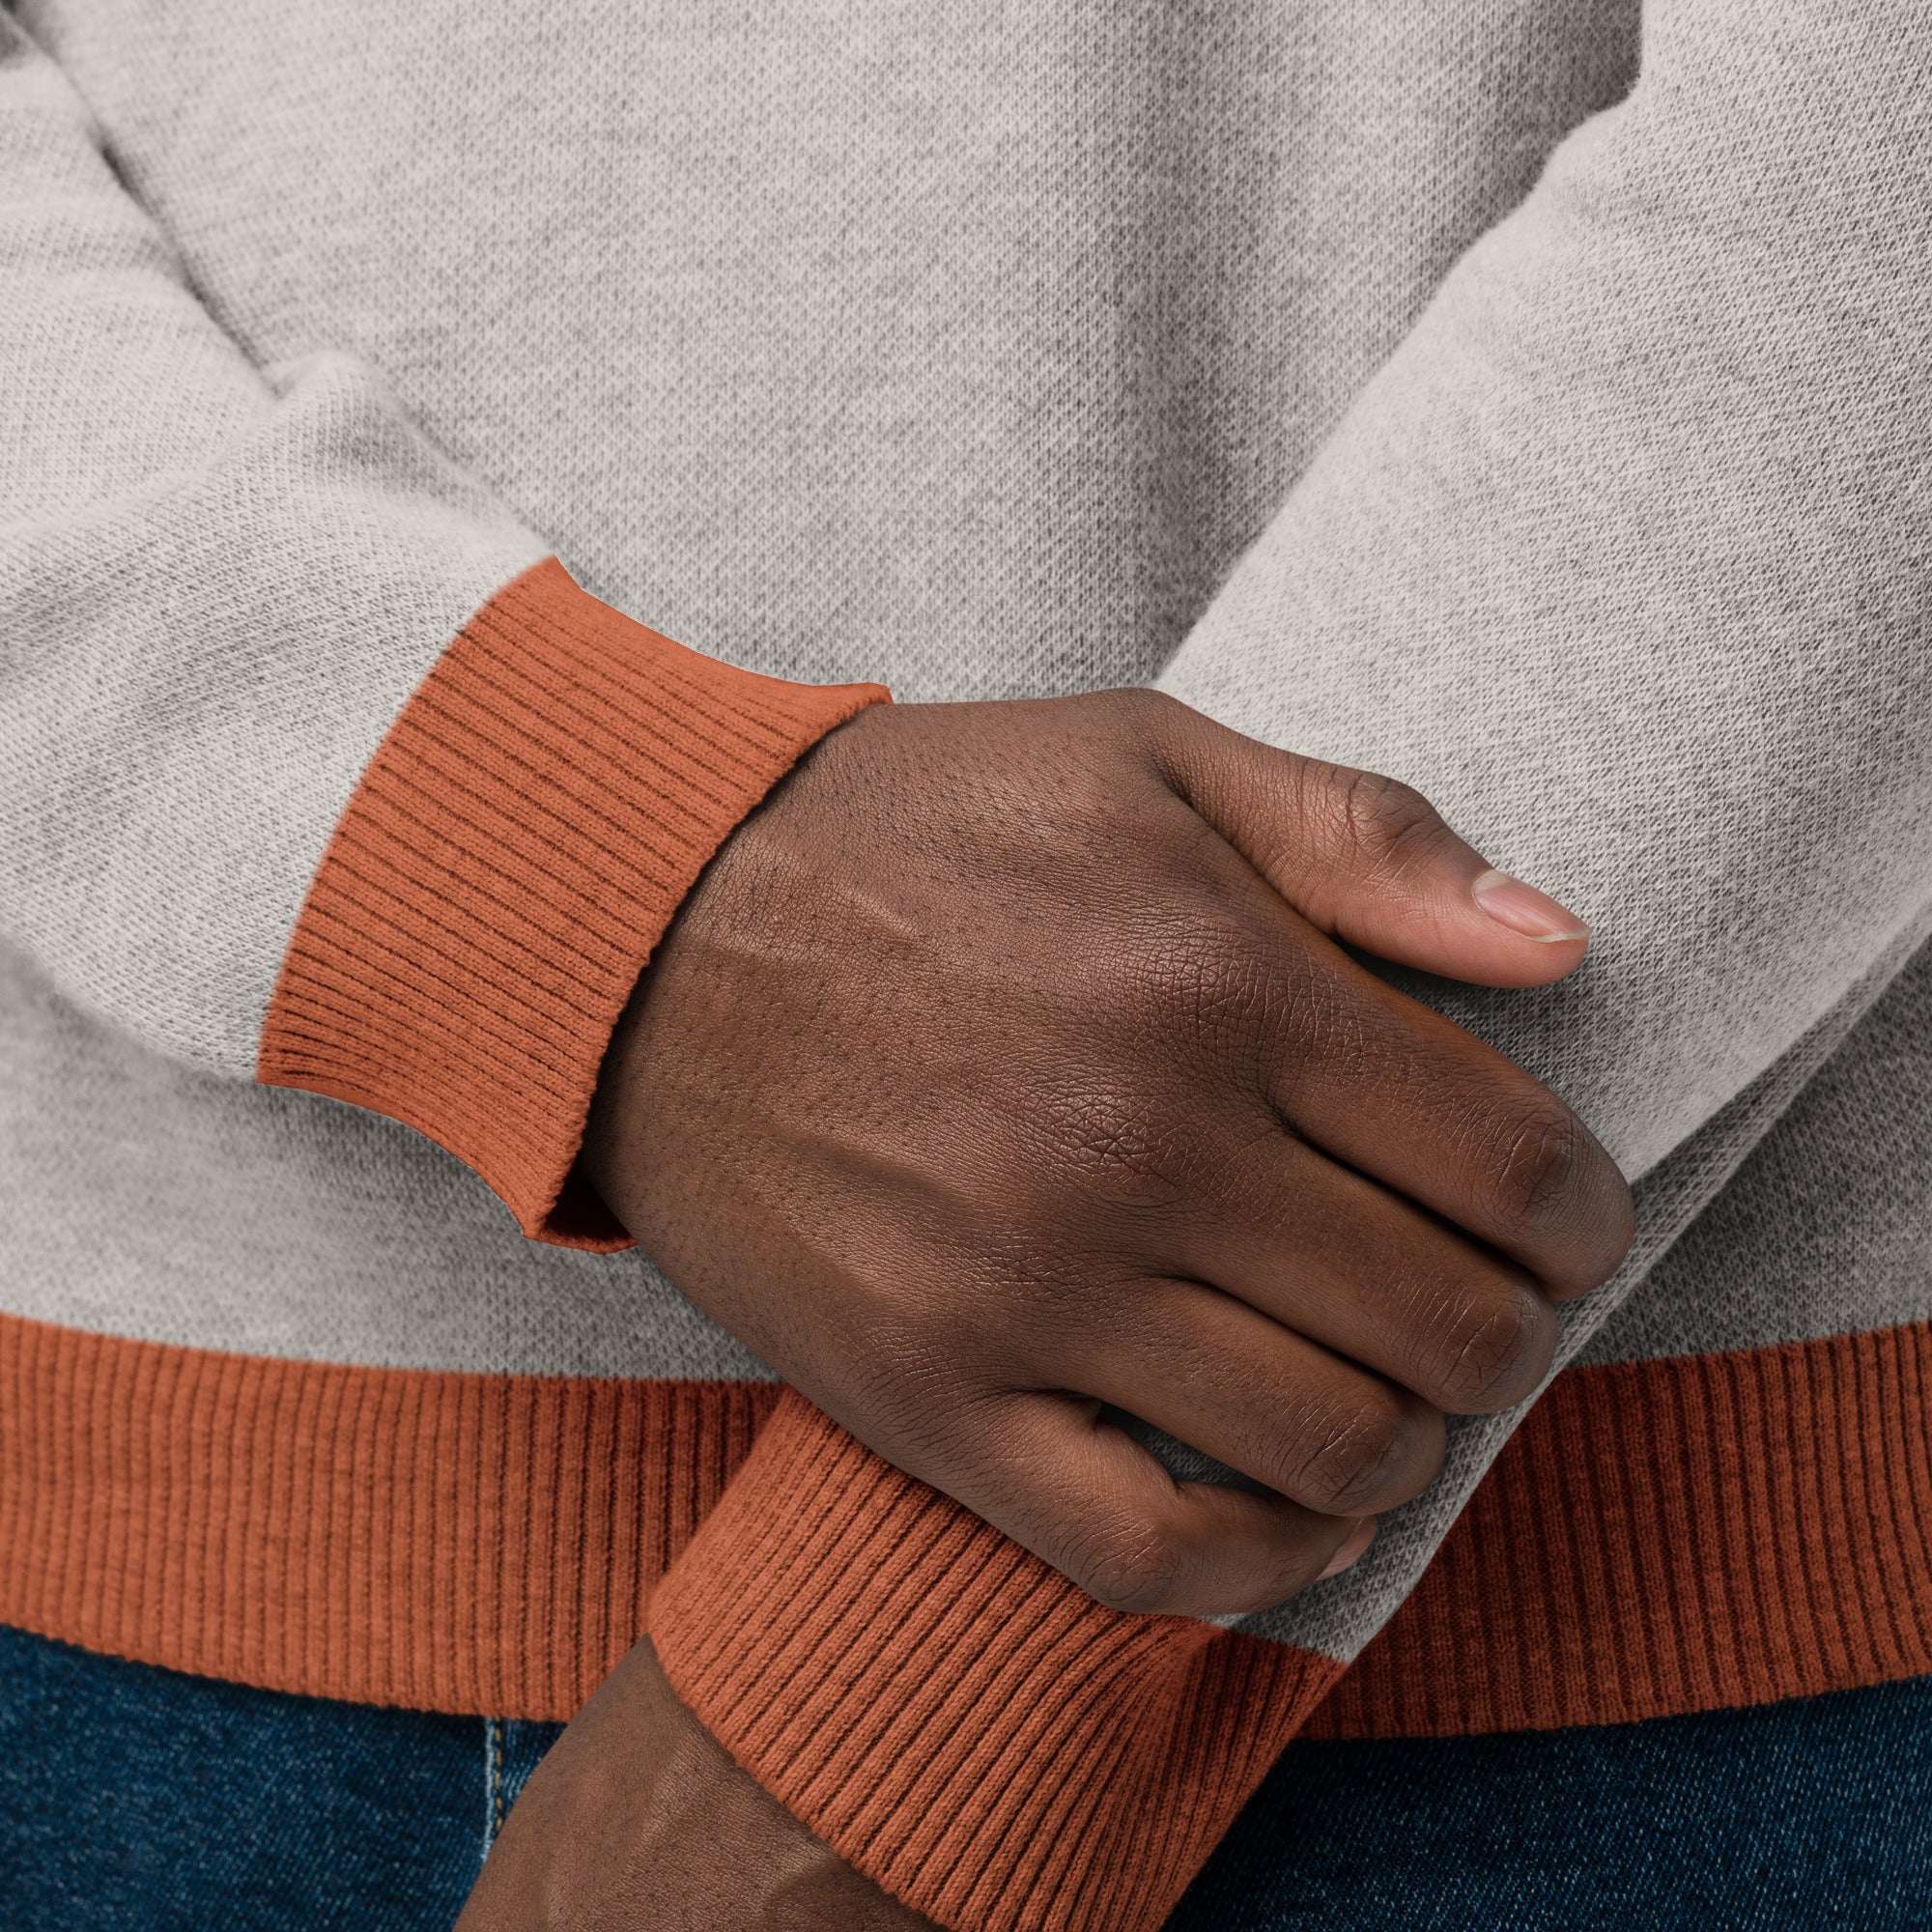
x: 1526, y: 398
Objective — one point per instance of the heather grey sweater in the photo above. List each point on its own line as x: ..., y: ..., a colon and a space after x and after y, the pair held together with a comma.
x: 1444, y: 394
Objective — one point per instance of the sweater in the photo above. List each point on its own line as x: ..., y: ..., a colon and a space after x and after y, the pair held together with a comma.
x: 1527, y: 398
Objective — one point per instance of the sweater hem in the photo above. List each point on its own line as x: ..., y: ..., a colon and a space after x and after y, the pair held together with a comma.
x: 1658, y: 1538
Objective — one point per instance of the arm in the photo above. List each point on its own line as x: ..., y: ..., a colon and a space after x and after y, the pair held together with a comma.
x: 314, y: 768
x: 1635, y: 523
x: 311, y: 767
x: 638, y: 1820
x: 1635, y: 520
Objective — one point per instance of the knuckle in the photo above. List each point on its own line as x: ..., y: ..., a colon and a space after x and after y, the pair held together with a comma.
x: 1560, y: 1198
x: 1143, y: 711
x: 1496, y: 1350
x: 1383, y: 820
x: 1541, y: 1171
x: 921, y: 1394
x: 1136, y: 1569
x: 1352, y: 1460
x: 908, y: 1384
x: 1206, y: 972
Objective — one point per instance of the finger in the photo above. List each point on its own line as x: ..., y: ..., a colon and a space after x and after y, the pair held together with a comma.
x: 1079, y: 1492
x: 1369, y: 860
x: 1227, y: 1380
x: 1367, y: 1274
x: 1390, y: 1088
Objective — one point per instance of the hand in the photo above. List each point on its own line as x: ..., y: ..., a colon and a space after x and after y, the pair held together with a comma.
x: 1003, y: 1066
x: 637, y: 1821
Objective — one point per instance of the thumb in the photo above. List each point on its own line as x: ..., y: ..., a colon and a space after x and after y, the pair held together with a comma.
x: 1369, y: 860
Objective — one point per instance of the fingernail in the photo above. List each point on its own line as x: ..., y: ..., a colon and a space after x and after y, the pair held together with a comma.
x: 1523, y: 909
x: 1360, y: 1538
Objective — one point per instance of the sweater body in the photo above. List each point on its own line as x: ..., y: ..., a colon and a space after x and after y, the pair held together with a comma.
x: 1464, y: 399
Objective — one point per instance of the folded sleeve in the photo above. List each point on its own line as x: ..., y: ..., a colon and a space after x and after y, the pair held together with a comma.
x: 314, y: 766
x: 1622, y: 560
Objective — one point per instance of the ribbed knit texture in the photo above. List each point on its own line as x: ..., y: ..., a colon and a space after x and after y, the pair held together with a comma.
x: 1664, y: 1536
x: 967, y: 1726
x: 1675, y: 1535
x: 446, y: 1543
x: 516, y: 848
x: 1683, y: 1534
x: 1487, y: 405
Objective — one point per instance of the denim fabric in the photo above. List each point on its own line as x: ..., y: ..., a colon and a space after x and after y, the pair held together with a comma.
x: 1792, y: 1817
x: 134, y: 1797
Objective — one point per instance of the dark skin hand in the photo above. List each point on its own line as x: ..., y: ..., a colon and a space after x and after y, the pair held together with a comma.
x: 1005, y: 1066
x: 637, y: 1822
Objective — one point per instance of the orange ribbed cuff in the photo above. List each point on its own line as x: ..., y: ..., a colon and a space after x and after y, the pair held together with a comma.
x: 516, y: 848
x: 956, y: 1720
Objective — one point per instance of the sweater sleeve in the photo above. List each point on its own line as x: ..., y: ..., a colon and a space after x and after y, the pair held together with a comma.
x: 1622, y: 560
x: 313, y: 767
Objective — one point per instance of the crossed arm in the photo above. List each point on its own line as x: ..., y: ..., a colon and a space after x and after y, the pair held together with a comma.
x: 1632, y: 511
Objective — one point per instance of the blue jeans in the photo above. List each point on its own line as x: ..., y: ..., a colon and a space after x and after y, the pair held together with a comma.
x: 135, y: 1799
x: 132, y: 1800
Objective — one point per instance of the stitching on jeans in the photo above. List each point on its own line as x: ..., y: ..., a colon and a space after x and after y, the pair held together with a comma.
x: 493, y: 1782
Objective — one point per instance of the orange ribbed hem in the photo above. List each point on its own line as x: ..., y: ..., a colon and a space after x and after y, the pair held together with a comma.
x: 1659, y: 1537
x: 516, y: 848
x: 959, y: 1720
x: 474, y: 1544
